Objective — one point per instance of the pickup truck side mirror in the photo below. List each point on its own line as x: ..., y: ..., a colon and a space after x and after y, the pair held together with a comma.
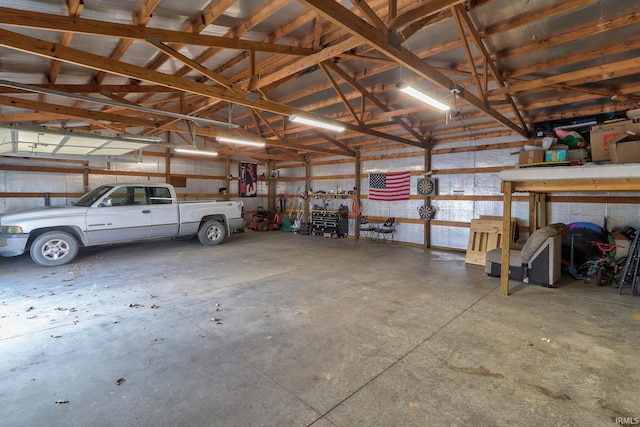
x: 106, y: 203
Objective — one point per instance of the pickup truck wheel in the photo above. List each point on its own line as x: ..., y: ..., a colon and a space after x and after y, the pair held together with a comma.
x: 211, y: 233
x: 54, y: 248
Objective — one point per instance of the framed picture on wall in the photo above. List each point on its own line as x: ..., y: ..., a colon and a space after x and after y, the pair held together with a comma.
x: 248, y: 179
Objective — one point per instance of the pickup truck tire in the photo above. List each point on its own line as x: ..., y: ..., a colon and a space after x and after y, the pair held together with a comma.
x: 54, y: 248
x: 212, y: 233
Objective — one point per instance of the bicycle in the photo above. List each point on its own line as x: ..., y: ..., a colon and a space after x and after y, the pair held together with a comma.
x: 604, y: 269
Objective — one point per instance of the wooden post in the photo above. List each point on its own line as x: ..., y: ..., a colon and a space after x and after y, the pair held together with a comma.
x: 85, y: 177
x: 533, y: 212
x: 167, y: 160
x: 542, y: 210
x: 167, y: 165
x: 227, y: 172
x: 427, y: 224
x: 506, y: 238
x: 271, y: 194
x: 307, y: 183
x: 356, y: 197
x: 393, y: 8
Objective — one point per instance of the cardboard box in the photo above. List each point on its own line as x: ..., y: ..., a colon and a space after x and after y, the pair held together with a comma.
x: 556, y: 153
x: 604, y: 135
x: 555, y: 156
x: 544, y: 142
x: 577, y: 155
x: 533, y: 156
x: 625, y: 152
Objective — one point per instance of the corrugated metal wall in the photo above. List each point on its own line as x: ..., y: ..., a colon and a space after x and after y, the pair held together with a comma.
x: 330, y: 175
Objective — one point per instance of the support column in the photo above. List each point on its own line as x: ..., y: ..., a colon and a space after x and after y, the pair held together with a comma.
x: 542, y: 210
x: 307, y: 183
x: 271, y: 190
x: 427, y: 201
x: 506, y: 238
x: 167, y: 160
x: 356, y: 197
x: 227, y: 172
x: 533, y: 212
x: 85, y: 177
x: 167, y: 165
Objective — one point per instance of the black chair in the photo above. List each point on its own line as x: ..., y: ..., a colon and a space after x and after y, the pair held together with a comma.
x: 367, y: 229
x: 387, y: 231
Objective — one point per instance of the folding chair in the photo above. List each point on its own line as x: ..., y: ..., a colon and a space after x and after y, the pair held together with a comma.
x: 366, y: 228
x: 387, y: 231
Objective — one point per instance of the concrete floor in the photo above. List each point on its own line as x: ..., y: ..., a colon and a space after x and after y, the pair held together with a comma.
x: 308, y: 331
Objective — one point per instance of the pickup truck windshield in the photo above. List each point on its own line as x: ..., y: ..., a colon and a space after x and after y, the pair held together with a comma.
x: 89, y: 198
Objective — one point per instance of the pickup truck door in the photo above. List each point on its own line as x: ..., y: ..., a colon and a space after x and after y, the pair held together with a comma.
x: 127, y: 219
x: 164, y: 212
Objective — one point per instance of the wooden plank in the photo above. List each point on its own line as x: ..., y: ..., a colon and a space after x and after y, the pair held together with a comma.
x: 506, y: 218
x: 576, y: 185
x: 486, y: 233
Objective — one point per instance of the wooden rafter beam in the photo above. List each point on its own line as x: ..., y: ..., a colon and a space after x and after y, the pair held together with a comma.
x: 572, y: 58
x: 418, y: 12
x: 74, y: 9
x: 558, y: 7
x: 336, y: 142
x: 74, y: 111
x: 277, y: 135
x: 358, y: 27
x: 344, y: 99
x: 616, y: 69
x: 85, y: 59
x: 317, y: 33
x: 463, y: 17
x: 222, y: 81
x: 95, y: 88
x: 306, y: 62
x: 370, y: 14
x: 423, y: 143
x: 45, y: 21
x: 467, y: 49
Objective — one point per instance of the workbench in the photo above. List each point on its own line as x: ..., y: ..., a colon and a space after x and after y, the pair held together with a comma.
x: 540, y: 181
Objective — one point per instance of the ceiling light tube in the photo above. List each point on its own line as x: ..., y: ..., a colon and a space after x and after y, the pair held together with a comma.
x: 194, y: 152
x: 239, y: 141
x: 421, y: 96
x: 112, y: 103
x: 316, y: 123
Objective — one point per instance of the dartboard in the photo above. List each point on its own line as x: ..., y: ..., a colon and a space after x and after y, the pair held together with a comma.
x: 426, y: 187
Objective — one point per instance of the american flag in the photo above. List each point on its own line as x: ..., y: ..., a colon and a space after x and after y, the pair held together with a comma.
x: 389, y: 186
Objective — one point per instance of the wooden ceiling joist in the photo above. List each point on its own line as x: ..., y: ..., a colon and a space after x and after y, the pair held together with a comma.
x: 347, y: 20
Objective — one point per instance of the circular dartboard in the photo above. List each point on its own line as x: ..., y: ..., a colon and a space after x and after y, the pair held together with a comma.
x: 425, y: 186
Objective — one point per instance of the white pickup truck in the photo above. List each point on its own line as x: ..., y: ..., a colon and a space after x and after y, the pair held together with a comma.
x: 116, y: 213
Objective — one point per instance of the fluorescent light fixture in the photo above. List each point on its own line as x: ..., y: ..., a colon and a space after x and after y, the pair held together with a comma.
x: 194, y: 152
x: 316, y: 123
x: 112, y: 103
x: 240, y: 141
x: 141, y: 138
x: 423, y: 97
x: 578, y: 125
